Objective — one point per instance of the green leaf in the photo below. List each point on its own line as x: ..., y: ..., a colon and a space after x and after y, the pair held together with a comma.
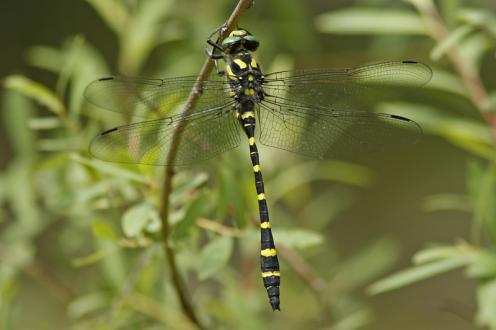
x: 438, y: 253
x: 18, y: 254
x: 486, y: 19
x: 137, y: 217
x: 473, y: 49
x: 468, y: 134
x: 214, y: 256
x: 354, y: 321
x: 369, y: 263
x: 486, y: 299
x: 87, y: 303
x: 90, y: 259
x: 44, y: 57
x: 301, y: 174
x: 198, y: 207
x: 482, y: 182
x: 104, y: 230
x: 111, y: 169
x: 44, y: 123
x: 370, y: 21
x: 483, y: 266
x: 447, y: 82
x: 298, y: 238
x: 450, y: 10
x: 454, y: 38
x: 113, y: 12
x: 35, y: 91
x: 22, y: 198
x: 416, y: 274
x: 447, y: 202
x: 231, y: 198
x: 143, y: 32
x: 184, y: 183
x: 17, y: 109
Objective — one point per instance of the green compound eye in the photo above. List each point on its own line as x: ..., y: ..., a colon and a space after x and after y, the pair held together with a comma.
x: 251, y: 43
x: 229, y: 42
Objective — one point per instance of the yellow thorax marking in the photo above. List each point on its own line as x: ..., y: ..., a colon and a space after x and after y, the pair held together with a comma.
x: 265, y: 225
x: 249, y: 91
x: 261, y: 196
x: 256, y: 168
x: 250, y: 77
x: 251, y: 141
x: 253, y: 63
x: 242, y: 65
x: 230, y: 73
x: 268, y: 253
x: 247, y: 114
x: 268, y: 274
x: 237, y: 33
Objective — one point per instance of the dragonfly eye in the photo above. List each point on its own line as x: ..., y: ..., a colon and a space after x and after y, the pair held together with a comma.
x: 231, y: 43
x: 250, y: 43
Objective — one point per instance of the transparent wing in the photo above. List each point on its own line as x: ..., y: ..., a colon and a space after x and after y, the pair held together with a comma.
x: 321, y: 133
x: 345, y: 89
x: 154, y: 98
x: 204, y: 135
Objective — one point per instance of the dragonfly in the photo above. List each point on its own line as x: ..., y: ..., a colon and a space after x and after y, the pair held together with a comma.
x: 314, y: 113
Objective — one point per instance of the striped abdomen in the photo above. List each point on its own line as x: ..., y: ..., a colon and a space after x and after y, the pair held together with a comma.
x: 268, y: 255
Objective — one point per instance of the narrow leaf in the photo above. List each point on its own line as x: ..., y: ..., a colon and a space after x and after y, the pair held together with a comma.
x: 370, y: 21
x: 486, y: 299
x: 35, y: 91
x: 447, y: 202
x: 438, y: 253
x: 298, y: 238
x: 90, y: 259
x: 415, y: 274
x: 454, y: 38
x: 136, y: 218
x: 200, y: 206
x: 113, y: 12
x: 103, y: 230
x: 44, y: 123
x: 483, y: 267
x: 111, y: 169
x: 214, y: 256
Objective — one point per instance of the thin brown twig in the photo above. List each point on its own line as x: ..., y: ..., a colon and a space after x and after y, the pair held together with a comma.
x: 196, y: 91
x: 478, y: 93
x: 302, y: 268
x: 294, y: 260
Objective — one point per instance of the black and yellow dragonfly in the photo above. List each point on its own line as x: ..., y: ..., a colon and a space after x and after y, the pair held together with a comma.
x: 312, y: 113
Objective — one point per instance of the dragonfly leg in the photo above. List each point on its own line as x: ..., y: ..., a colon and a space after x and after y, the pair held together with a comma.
x: 213, y: 52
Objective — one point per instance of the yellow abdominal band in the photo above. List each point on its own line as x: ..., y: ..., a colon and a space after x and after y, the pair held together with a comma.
x: 268, y: 253
x: 267, y: 274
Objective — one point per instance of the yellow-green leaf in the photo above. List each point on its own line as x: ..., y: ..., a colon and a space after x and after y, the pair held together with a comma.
x: 35, y: 91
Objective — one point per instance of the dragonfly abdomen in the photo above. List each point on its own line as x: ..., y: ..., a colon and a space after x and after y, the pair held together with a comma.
x: 269, y: 264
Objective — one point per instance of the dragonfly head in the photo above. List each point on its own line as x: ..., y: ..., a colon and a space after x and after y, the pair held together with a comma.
x: 240, y: 40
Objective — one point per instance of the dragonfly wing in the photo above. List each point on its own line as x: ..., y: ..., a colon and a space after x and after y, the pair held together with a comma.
x: 345, y: 89
x: 321, y: 133
x: 203, y: 135
x: 154, y: 98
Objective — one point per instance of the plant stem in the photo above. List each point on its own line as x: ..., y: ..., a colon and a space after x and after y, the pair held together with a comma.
x: 196, y: 91
x: 478, y: 93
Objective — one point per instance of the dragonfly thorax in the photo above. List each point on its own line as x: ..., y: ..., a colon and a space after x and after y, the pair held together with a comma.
x: 245, y: 77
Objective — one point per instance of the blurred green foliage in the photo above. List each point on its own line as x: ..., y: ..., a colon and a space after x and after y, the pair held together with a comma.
x: 80, y: 242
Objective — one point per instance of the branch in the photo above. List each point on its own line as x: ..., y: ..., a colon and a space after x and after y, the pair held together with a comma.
x: 478, y: 93
x: 196, y: 91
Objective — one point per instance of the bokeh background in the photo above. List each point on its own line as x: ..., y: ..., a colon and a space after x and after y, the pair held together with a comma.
x: 404, y: 240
